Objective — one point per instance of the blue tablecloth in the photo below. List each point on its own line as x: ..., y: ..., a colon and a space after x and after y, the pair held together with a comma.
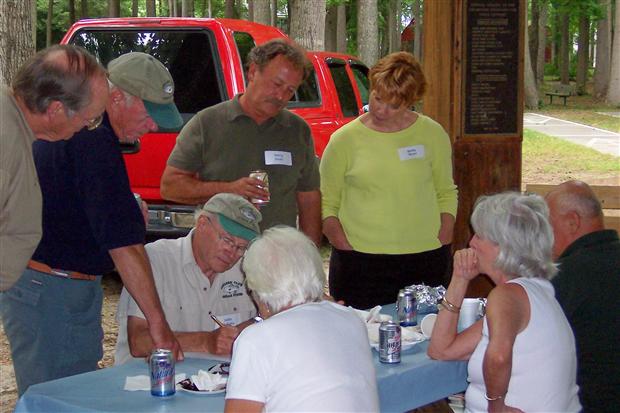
x: 414, y: 382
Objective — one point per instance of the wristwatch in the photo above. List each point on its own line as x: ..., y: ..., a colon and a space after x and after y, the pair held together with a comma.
x: 257, y: 319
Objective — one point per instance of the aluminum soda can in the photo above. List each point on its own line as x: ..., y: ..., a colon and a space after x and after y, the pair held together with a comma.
x: 406, y: 307
x: 261, y: 176
x: 389, y: 342
x: 161, y: 364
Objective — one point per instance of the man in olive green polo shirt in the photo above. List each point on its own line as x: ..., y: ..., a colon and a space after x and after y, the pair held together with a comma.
x: 216, y: 151
x: 58, y: 92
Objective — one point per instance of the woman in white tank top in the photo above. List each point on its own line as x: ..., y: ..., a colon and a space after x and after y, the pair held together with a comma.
x: 522, y: 353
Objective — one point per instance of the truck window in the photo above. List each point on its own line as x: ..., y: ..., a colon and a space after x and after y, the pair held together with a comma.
x: 307, y: 94
x: 245, y: 42
x: 360, y: 72
x: 346, y: 95
x: 188, y: 54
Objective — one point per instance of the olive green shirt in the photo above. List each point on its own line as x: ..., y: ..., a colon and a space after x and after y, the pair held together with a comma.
x: 222, y: 143
x: 20, y: 195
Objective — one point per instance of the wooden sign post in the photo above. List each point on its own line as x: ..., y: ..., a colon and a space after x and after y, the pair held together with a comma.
x: 473, y: 60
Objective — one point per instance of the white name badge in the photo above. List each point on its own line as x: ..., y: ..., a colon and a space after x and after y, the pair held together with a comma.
x: 230, y: 319
x: 411, y: 152
x: 278, y: 158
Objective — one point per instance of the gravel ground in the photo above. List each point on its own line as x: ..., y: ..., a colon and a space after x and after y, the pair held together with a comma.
x: 112, y: 288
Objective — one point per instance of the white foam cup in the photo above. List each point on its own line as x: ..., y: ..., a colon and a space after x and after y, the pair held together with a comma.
x: 472, y: 309
x: 427, y: 324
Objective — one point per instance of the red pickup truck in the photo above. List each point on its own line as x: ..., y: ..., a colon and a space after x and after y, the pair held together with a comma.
x: 206, y: 58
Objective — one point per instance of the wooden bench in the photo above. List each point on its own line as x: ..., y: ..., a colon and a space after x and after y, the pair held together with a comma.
x: 609, y: 195
x: 560, y: 90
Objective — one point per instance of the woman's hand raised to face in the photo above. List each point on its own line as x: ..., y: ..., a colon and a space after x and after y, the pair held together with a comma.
x: 466, y: 264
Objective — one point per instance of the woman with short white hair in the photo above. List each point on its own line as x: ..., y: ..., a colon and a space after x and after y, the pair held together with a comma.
x: 522, y: 353
x: 308, y: 354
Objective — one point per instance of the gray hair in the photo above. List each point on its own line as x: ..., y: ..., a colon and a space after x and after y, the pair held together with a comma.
x: 519, y: 225
x: 129, y: 98
x: 577, y: 196
x: 46, y: 78
x: 283, y: 267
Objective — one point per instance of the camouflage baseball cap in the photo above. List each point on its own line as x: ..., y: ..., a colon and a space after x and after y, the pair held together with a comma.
x: 143, y: 76
x: 236, y: 215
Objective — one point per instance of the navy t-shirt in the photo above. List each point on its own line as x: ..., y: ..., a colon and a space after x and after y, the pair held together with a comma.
x: 88, y: 206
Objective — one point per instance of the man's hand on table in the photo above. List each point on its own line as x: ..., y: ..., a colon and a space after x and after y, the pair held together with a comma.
x: 220, y: 341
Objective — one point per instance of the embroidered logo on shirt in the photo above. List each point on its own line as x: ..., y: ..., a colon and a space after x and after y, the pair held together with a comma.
x: 232, y: 289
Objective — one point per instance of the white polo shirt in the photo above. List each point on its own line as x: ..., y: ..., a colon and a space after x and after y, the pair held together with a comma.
x: 187, y: 296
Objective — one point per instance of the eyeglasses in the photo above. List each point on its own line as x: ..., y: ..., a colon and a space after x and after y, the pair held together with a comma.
x: 239, y: 249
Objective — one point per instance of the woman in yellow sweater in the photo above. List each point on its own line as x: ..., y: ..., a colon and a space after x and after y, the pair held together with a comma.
x: 388, y: 196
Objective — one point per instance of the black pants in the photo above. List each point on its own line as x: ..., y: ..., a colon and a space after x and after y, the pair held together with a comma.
x: 364, y: 280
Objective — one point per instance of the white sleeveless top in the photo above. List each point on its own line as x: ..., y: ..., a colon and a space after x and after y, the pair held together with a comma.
x: 544, y: 363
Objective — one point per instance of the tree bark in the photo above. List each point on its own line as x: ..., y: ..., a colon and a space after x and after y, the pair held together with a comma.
x: 583, y: 50
x: 603, y: 51
x: 229, y: 9
x: 16, y: 39
x: 531, y: 93
x: 134, y: 8
x: 613, y: 91
x: 71, y: 5
x: 262, y: 11
x: 367, y: 31
x: 341, y: 29
x: 394, y: 28
x: 533, y: 34
x: 542, y: 41
x: 187, y: 8
x: 150, y: 8
x: 331, y: 28
x: 564, y: 43
x: 308, y: 23
x: 274, y: 13
x: 417, y: 30
x: 114, y: 8
x: 48, y: 23
x: 83, y: 9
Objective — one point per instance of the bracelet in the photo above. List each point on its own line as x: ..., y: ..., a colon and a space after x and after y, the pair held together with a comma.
x: 492, y: 399
x: 449, y: 306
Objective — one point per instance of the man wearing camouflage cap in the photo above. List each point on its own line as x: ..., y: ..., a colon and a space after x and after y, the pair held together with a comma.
x: 197, y: 276
x: 91, y: 225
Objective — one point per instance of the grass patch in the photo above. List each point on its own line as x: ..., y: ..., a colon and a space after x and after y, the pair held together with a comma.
x: 554, y: 155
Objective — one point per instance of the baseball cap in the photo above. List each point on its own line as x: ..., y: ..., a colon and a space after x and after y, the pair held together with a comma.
x: 141, y: 75
x: 236, y: 215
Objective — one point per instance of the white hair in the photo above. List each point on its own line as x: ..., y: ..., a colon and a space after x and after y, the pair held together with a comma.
x: 519, y: 225
x: 128, y: 97
x: 283, y: 267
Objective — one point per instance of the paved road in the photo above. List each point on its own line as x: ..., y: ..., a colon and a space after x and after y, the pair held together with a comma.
x: 597, y: 139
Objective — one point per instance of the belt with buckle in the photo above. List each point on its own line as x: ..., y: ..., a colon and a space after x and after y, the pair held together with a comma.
x: 46, y: 269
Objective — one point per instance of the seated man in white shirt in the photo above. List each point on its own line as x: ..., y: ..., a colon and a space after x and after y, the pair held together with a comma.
x: 197, y: 276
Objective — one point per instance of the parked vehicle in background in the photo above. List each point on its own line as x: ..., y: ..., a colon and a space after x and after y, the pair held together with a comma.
x: 206, y: 58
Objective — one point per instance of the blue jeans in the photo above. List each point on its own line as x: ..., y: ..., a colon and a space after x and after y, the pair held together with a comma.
x: 53, y: 326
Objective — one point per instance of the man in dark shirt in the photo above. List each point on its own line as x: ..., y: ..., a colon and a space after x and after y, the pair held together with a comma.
x: 91, y: 224
x: 588, y: 289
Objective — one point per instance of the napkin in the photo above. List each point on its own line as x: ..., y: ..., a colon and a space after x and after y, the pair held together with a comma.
x: 143, y: 382
x: 373, y: 316
x: 208, y: 381
x: 407, y: 334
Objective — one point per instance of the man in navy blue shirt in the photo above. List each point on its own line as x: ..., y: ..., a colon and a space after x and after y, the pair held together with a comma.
x: 91, y: 225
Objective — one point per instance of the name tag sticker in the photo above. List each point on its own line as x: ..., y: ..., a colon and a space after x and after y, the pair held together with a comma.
x: 230, y: 319
x: 411, y: 152
x: 278, y: 158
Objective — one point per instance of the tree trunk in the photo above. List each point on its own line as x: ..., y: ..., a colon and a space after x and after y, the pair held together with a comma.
x: 563, y: 55
x: 150, y: 8
x: 16, y: 40
x: 134, y: 8
x: 341, y: 29
x: 114, y: 8
x: 542, y: 41
x: 603, y: 51
x: 251, y: 10
x: 367, y: 31
x: 533, y: 34
x: 262, y: 11
x: 274, y: 13
x: 84, y: 9
x: 529, y: 81
x: 394, y: 28
x: 187, y: 8
x: 229, y: 9
x: 331, y: 28
x: 417, y: 30
x: 71, y: 5
x: 308, y: 23
x: 48, y: 23
x: 583, y: 50
x: 613, y: 91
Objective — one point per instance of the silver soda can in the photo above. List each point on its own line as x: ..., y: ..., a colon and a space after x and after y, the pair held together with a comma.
x: 406, y: 307
x: 261, y: 176
x: 389, y: 342
x: 161, y: 363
